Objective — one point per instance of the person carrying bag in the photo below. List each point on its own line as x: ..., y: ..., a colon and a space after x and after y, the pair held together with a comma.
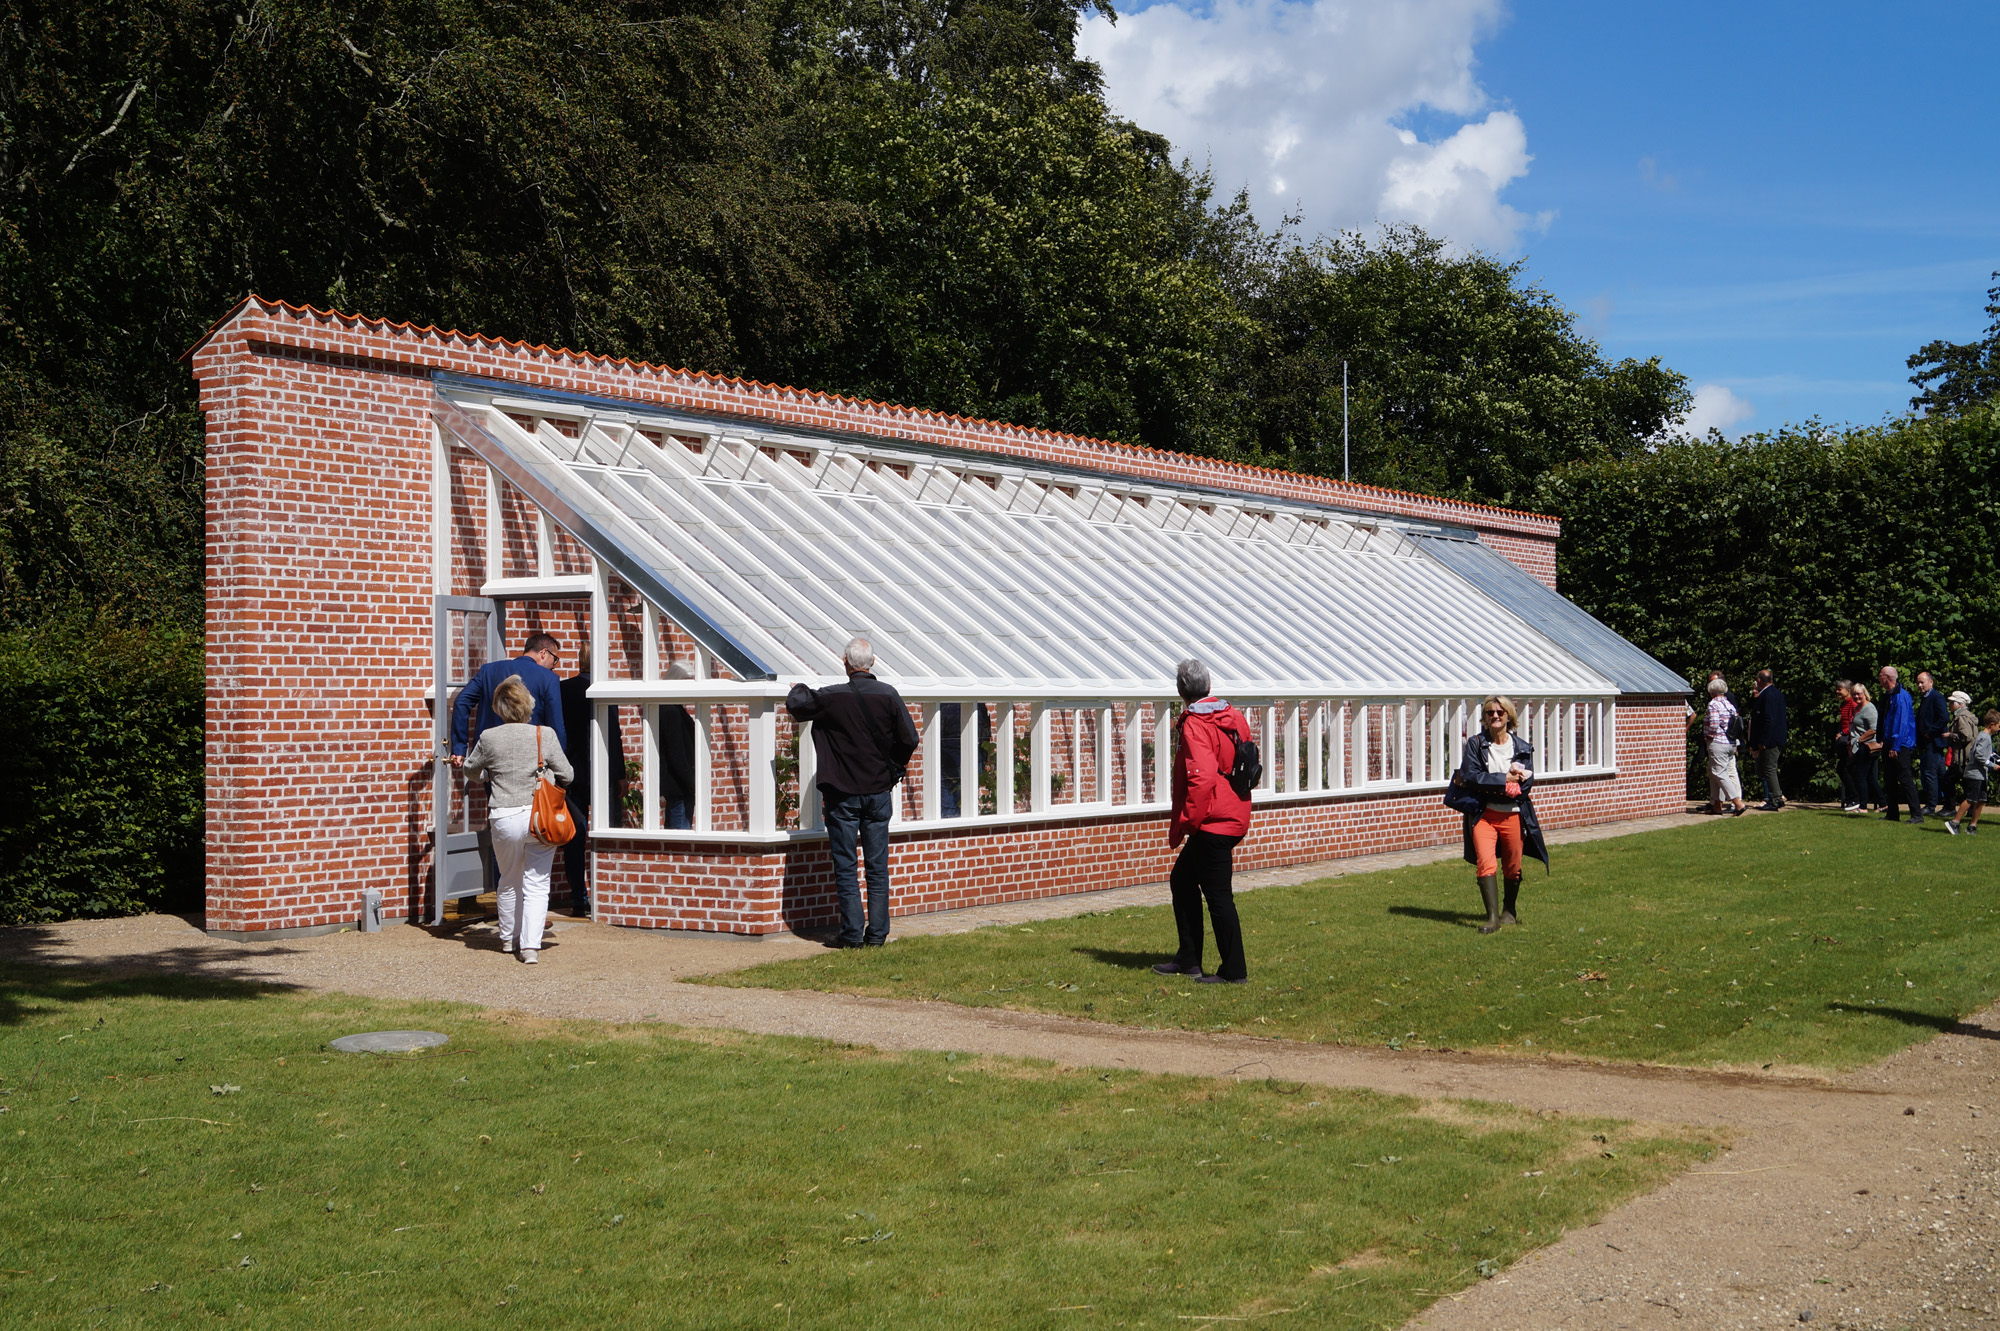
x: 525, y: 812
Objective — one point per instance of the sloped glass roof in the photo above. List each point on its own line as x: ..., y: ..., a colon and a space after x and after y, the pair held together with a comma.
x: 994, y: 574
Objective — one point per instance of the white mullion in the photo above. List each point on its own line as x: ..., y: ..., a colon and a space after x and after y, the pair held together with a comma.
x: 1075, y: 754
x: 545, y: 552
x: 969, y: 713
x: 1135, y: 752
x: 1267, y: 725
x: 600, y: 715
x: 1163, y: 752
x: 1003, y: 761
x: 1106, y: 764
x: 1315, y: 734
x: 762, y: 720
x: 1039, y: 756
x: 704, y: 786
x: 931, y: 764
x: 1359, y: 745
x: 496, y: 536
x: 811, y: 817
x: 1292, y: 732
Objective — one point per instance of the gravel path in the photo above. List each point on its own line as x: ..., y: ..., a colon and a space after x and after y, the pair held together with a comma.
x: 1835, y: 1201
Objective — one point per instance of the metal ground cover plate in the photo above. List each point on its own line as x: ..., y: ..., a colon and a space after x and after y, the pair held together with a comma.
x: 389, y: 1042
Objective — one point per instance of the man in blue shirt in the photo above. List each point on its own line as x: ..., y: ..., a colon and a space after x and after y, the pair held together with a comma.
x: 1897, y: 733
x: 536, y: 666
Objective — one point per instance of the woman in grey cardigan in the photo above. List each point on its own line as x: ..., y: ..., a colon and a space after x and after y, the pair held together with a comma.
x: 506, y: 755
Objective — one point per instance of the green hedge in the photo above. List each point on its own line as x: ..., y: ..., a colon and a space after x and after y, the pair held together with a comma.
x: 1820, y: 554
x: 101, y: 782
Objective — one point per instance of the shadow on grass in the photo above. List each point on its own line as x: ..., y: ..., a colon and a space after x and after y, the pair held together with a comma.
x: 1463, y: 919
x: 1928, y: 1020
x: 36, y: 991
x: 1131, y: 961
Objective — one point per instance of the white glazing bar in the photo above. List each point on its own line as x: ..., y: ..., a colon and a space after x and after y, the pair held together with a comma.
x: 1107, y: 762
x: 1292, y: 731
x: 1440, y: 739
x: 811, y: 817
x: 545, y: 552
x: 1003, y: 760
x: 1135, y: 751
x: 649, y: 644
x: 1163, y: 752
x: 1401, y: 740
x: 704, y: 783
x: 931, y: 733
x: 1420, y: 740
x: 496, y: 563
x: 763, y: 726
x: 1571, y: 759
x: 1610, y: 740
x: 1040, y: 720
x: 969, y: 713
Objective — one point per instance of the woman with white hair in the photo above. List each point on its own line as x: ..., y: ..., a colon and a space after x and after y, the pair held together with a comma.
x: 515, y: 757
x: 1211, y: 816
x: 1717, y: 724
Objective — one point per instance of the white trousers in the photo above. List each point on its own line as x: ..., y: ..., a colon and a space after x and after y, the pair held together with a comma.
x: 1724, y: 785
x: 523, y: 862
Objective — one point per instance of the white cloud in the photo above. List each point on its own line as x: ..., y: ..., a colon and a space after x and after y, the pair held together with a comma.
x: 1304, y: 101
x: 1715, y: 408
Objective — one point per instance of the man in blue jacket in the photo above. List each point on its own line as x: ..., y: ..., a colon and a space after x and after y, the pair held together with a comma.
x: 1768, y: 734
x: 1933, y: 720
x: 536, y: 666
x: 1897, y: 732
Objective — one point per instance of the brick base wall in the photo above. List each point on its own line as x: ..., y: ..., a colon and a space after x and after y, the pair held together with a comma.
x: 752, y: 890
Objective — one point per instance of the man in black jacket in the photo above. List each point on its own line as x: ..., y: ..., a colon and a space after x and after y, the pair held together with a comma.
x: 1933, y: 720
x: 1769, y: 732
x: 863, y: 737
x: 577, y: 747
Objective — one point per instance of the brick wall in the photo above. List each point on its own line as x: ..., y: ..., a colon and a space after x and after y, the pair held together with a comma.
x: 319, y: 607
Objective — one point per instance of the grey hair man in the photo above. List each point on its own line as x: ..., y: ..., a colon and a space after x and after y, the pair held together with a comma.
x: 863, y: 738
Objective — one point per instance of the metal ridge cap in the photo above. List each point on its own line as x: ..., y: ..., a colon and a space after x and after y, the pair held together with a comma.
x: 443, y: 379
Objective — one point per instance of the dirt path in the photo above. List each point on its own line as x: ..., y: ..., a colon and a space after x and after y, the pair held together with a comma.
x: 1835, y: 1201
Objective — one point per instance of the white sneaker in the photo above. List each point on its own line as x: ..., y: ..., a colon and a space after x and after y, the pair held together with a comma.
x: 506, y: 945
x: 530, y: 955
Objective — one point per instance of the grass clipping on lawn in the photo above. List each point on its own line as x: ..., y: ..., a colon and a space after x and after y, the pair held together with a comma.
x: 1805, y: 938
x: 183, y: 1149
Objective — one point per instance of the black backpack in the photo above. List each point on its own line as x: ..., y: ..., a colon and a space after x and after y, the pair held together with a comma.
x: 1247, y: 770
x: 1737, y: 733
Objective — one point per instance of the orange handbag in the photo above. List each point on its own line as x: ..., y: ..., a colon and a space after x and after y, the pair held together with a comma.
x: 549, y: 819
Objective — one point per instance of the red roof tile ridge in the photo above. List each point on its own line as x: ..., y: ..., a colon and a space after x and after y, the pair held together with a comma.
x: 1360, y: 489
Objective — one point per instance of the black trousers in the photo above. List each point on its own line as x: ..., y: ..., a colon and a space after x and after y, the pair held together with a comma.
x: 576, y: 853
x: 1896, y: 783
x: 1204, y: 871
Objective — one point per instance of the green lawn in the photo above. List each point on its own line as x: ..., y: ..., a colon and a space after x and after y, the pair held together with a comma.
x: 179, y: 1150
x: 1803, y: 938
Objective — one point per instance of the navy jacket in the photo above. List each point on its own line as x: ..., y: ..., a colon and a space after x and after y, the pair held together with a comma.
x: 576, y: 737
x: 1768, y: 727
x: 1473, y: 782
x: 1933, y: 719
x: 543, y: 687
x: 862, y: 733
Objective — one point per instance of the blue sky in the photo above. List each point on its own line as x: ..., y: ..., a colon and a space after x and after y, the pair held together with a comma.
x: 1782, y: 201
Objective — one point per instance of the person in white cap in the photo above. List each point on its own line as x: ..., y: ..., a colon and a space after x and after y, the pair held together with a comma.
x: 1958, y: 737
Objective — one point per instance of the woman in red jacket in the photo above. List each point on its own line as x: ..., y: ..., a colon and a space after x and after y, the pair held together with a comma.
x: 1209, y: 819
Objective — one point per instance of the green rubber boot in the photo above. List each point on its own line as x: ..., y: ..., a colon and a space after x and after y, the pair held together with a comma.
x: 1489, y: 891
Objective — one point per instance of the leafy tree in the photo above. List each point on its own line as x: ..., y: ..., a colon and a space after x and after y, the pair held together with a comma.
x: 1818, y: 553
x: 1463, y: 379
x: 1953, y: 376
